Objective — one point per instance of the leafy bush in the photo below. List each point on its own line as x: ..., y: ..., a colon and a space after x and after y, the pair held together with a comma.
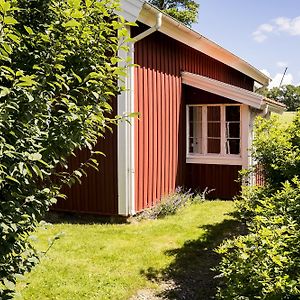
x: 58, y: 71
x: 265, y: 264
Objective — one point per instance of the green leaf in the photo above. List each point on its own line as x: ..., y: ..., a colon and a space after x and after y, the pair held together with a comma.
x: 9, y: 284
x: 10, y: 20
x: 28, y: 29
x: 14, y: 38
x: 37, y: 171
x: 7, y: 48
x: 12, y: 179
x: 77, y: 14
x: 4, y: 6
x: 4, y: 91
x: 71, y: 23
x: 35, y: 156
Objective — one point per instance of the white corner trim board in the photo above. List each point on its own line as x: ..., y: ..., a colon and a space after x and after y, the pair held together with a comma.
x: 125, y: 145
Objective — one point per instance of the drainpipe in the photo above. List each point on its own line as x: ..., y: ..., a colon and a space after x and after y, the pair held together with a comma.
x: 149, y: 31
x: 265, y: 111
x: 126, y: 159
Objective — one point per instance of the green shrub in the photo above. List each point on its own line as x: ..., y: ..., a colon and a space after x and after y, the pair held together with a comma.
x: 58, y: 72
x: 265, y: 264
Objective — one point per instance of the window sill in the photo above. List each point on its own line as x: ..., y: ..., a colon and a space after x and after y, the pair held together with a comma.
x: 214, y: 159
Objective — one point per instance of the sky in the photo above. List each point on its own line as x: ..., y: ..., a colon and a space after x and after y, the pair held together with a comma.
x: 265, y: 33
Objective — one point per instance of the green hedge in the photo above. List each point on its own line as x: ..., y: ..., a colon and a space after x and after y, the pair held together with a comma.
x: 265, y: 263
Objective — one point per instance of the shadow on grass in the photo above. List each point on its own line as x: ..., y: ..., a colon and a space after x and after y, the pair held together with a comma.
x: 190, y: 276
x: 86, y: 219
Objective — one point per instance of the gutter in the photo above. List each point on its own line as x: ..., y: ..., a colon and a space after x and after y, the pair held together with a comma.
x: 206, y: 46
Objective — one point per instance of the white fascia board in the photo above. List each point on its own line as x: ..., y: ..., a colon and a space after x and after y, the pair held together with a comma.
x: 130, y: 9
x: 223, y: 89
x: 185, y: 35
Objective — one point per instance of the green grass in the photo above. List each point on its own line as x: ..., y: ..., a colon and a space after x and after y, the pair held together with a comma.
x: 287, y: 117
x: 115, y: 261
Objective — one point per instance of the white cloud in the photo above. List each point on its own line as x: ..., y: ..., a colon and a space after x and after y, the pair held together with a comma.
x: 265, y: 28
x: 259, y: 37
x: 278, y: 25
x: 260, y: 34
x: 288, y: 79
x: 290, y: 26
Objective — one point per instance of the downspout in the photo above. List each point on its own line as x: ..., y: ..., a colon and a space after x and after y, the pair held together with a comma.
x: 131, y: 182
x: 265, y: 111
x: 149, y: 31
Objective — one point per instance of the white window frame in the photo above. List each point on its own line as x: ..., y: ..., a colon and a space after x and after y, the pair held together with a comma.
x: 222, y: 157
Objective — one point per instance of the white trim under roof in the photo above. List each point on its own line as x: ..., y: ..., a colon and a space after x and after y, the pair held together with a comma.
x: 231, y: 92
x: 182, y: 33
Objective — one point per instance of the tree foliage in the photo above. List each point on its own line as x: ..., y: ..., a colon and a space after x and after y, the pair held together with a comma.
x: 265, y: 264
x: 287, y: 94
x: 185, y: 11
x: 58, y: 72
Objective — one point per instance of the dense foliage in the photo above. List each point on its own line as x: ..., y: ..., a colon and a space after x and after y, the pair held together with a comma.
x: 286, y: 94
x: 58, y: 64
x: 185, y: 11
x: 265, y: 263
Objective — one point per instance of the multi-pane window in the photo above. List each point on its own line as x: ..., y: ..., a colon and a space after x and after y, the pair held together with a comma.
x: 214, y: 129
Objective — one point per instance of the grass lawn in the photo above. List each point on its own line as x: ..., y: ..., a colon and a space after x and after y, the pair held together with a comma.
x: 287, y: 117
x: 115, y: 261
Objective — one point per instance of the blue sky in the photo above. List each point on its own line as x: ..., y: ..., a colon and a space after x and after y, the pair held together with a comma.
x: 265, y: 33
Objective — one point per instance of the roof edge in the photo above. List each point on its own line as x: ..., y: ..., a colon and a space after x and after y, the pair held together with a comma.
x: 174, y: 28
x: 229, y: 91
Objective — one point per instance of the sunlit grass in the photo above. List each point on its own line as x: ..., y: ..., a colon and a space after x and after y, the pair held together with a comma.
x: 108, y: 261
x: 287, y: 117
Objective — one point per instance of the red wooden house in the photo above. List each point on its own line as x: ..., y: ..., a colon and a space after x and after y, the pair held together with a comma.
x: 197, y: 107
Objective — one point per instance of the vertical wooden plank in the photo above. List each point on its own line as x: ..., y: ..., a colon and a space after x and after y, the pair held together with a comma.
x: 155, y: 127
x: 141, y: 130
x: 150, y: 128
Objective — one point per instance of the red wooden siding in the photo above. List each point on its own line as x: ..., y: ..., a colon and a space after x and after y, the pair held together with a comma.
x: 160, y: 132
x: 219, y: 178
x: 259, y: 175
x: 98, y: 193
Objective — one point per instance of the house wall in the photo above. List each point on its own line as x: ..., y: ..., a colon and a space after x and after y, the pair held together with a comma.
x: 97, y: 194
x: 160, y: 131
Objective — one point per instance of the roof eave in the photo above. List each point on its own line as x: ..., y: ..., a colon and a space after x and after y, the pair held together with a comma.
x: 174, y: 29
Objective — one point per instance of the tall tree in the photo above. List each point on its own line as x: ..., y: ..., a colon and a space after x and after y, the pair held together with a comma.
x: 286, y: 94
x: 185, y: 11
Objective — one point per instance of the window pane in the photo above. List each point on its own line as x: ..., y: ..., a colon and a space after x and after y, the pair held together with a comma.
x: 233, y: 146
x: 214, y: 129
x: 213, y: 145
x: 213, y: 113
x: 232, y: 113
x: 232, y: 129
x: 195, y: 129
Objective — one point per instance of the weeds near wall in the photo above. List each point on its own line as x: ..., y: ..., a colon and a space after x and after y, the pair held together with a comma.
x: 172, y: 203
